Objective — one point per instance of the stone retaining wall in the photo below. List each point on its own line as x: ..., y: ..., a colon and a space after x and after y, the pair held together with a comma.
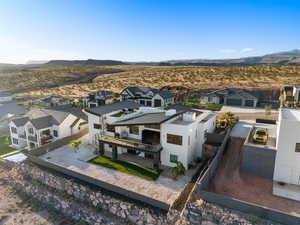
x: 132, y: 212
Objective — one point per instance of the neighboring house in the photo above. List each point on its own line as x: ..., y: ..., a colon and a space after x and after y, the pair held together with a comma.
x: 50, y: 101
x: 149, y: 136
x: 231, y: 96
x: 6, y: 97
x: 98, y: 98
x: 148, y: 96
x: 41, y: 126
x: 287, y: 163
x: 290, y: 94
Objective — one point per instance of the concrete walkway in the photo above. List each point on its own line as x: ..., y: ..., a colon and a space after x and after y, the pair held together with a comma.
x: 163, y: 189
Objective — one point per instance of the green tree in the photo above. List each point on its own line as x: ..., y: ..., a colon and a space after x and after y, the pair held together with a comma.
x: 227, y: 120
x: 268, y: 109
x: 178, y: 169
x: 75, y: 144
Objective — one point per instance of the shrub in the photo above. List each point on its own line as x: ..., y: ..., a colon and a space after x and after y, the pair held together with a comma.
x: 178, y: 169
x: 226, y: 121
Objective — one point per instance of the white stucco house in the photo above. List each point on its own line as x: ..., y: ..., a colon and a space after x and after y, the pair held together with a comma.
x: 287, y: 163
x: 147, y: 96
x: 41, y: 126
x: 150, y: 136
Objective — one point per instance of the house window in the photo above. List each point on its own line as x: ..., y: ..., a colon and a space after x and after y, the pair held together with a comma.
x: 149, y: 103
x: 55, y: 133
x: 156, y: 127
x: 174, y: 139
x: 30, y: 130
x: 110, y: 128
x: 15, y: 141
x: 134, y: 130
x: 142, y: 102
x: 173, y: 158
x: 97, y: 126
x: 14, y: 130
x: 297, y: 149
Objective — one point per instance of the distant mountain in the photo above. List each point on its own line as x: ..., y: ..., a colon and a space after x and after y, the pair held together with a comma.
x: 281, y: 58
x: 84, y: 62
x: 36, y: 62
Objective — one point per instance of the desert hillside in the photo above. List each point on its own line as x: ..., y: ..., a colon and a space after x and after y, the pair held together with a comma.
x: 79, y: 80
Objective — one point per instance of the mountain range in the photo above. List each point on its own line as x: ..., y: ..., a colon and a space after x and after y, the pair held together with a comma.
x: 280, y: 58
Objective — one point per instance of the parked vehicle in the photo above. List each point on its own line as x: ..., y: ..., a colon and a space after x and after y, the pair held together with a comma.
x: 261, y: 135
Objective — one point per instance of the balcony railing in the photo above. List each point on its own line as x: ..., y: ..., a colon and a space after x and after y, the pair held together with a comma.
x: 46, y: 139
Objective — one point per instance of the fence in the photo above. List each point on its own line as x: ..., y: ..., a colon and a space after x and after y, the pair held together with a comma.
x: 56, y: 144
x: 249, y: 208
x: 205, y: 179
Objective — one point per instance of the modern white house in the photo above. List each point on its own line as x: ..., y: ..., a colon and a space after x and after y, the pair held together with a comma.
x: 41, y: 126
x: 287, y: 163
x: 149, y: 136
x: 147, y: 96
x: 291, y: 93
x: 6, y: 97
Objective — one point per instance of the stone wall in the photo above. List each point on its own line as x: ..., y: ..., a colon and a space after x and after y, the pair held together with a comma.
x: 203, y: 213
x: 48, y: 187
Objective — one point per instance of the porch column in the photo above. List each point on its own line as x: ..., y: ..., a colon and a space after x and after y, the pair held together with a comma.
x: 114, y: 152
x: 156, y: 159
x: 101, y: 148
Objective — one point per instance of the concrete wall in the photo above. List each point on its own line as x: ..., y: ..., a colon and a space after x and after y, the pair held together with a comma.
x: 258, y: 162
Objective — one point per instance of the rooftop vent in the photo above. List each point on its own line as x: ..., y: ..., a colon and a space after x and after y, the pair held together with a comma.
x: 189, y: 116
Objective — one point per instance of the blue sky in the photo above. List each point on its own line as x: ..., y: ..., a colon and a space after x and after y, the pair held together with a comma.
x: 146, y: 30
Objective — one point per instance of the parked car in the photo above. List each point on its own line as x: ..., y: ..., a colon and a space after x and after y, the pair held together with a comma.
x: 261, y: 135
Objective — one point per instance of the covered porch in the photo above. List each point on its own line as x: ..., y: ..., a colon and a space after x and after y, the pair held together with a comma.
x: 151, y: 157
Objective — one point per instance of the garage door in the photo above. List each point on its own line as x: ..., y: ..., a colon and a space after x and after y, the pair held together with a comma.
x: 157, y: 102
x: 234, y: 101
x: 249, y: 103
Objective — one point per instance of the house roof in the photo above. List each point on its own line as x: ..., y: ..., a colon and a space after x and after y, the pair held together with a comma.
x: 183, y: 108
x: 135, y: 90
x: 43, y: 118
x: 19, y: 122
x: 149, y: 119
x: 105, y: 109
x: 69, y: 108
x: 233, y: 93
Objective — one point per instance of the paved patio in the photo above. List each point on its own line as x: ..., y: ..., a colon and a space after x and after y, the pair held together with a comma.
x: 163, y: 189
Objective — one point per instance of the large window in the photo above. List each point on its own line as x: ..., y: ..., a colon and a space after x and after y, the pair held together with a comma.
x: 14, y: 130
x: 173, y: 158
x: 97, y: 126
x: 55, y: 133
x: 174, y: 139
x: 30, y: 130
x: 15, y: 141
x: 110, y: 128
x: 297, y: 149
x: 134, y: 130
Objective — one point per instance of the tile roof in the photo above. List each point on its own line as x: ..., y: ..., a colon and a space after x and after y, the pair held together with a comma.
x: 135, y: 90
x: 233, y: 93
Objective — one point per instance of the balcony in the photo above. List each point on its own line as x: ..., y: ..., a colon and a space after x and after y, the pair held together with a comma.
x: 23, y: 136
x: 46, y: 139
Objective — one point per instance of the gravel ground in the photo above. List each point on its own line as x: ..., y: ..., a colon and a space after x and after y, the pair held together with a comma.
x: 17, y: 209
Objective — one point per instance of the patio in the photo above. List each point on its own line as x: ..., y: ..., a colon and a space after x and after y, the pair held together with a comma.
x: 163, y: 190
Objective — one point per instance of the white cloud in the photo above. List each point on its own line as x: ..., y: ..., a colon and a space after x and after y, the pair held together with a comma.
x: 244, y: 50
x: 228, y: 51
x: 16, y: 51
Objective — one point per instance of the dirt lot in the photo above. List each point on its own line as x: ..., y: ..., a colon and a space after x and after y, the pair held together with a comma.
x: 229, y: 181
x: 17, y: 209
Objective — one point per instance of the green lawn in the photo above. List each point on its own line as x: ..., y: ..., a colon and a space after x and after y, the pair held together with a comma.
x: 206, y: 106
x: 129, y: 168
x: 4, y: 146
